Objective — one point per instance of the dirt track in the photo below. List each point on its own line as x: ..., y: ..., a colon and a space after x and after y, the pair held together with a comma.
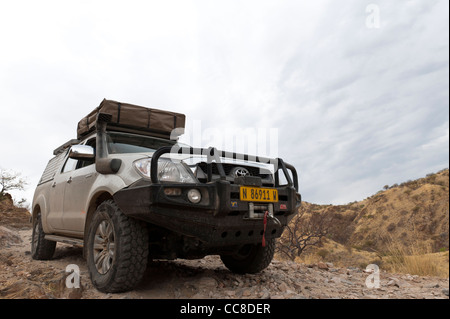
x: 23, y: 277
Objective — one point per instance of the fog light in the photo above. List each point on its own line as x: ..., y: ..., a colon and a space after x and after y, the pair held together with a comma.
x: 172, y: 191
x: 194, y: 196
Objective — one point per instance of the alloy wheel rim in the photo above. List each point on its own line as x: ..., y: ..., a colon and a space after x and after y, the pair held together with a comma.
x: 104, y: 246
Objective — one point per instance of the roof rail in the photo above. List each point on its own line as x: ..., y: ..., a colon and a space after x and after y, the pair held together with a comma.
x: 65, y: 145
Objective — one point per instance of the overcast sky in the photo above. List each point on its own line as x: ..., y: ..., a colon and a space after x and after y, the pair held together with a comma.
x: 357, y: 91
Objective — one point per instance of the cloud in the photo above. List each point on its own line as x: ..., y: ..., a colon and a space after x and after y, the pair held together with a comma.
x: 356, y: 108
x: 366, y: 104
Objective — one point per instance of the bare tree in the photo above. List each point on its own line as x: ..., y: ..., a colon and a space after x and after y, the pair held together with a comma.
x: 10, y: 180
x: 305, y: 230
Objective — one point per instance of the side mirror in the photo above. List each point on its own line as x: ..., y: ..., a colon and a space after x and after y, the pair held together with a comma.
x: 82, y: 152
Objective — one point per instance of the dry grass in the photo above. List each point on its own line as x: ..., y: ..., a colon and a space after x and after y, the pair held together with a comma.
x: 417, y: 259
x: 338, y: 254
x: 403, y: 229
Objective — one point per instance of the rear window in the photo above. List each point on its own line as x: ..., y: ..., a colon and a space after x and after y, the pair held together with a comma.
x: 52, y: 166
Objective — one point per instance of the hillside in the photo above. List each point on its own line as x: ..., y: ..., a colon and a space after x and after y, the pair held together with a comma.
x: 404, y: 217
x: 13, y: 216
x: 23, y: 277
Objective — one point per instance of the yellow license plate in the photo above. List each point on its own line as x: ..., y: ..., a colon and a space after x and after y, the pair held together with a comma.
x: 258, y: 194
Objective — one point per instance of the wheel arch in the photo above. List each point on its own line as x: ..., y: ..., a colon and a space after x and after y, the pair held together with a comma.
x: 35, y: 211
x: 95, y: 201
x: 40, y: 207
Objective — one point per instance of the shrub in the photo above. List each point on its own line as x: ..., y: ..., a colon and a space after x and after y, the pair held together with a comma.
x: 323, y: 253
x: 377, y: 262
x: 368, y: 243
x: 304, y: 231
x: 391, y: 227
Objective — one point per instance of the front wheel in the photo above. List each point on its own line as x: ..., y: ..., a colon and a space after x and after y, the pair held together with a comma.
x: 117, y: 249
x: 250, y: 259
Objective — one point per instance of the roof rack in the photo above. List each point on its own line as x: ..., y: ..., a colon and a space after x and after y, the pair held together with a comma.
x: 65, y: 145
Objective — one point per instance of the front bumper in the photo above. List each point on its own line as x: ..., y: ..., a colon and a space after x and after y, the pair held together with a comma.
x: 219, y: 219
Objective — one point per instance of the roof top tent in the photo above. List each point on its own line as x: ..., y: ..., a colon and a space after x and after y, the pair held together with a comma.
x: 134, y: 119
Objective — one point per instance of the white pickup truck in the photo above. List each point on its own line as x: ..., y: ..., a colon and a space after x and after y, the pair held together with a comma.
x: 126, y: 195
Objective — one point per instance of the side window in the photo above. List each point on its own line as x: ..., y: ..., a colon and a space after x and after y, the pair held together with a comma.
x: 73, y: 164
x: 70, y: 165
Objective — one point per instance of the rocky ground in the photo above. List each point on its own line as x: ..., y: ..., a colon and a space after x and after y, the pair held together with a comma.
x: 23, y: 277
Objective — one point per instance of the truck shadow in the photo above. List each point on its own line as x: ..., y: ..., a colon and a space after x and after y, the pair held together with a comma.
x: 183, y: 278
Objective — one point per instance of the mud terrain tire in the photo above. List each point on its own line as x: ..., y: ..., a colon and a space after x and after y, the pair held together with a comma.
x: 117, y: 249
x: 250, y: 259
x: 41, y: 248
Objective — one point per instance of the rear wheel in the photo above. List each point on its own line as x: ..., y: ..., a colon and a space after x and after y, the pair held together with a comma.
x: 250, y: 259
x: 41, y: 248
x: 117, y: 249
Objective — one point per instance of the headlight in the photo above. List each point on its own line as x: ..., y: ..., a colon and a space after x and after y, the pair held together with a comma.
x: 194, y: 196
x: 168, y: 170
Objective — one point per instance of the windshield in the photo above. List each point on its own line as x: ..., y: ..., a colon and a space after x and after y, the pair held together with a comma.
x: 132, y: 143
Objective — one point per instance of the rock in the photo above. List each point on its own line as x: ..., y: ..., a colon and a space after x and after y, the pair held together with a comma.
x: 290, y: 292
x: 395, y: 282
x: 333, y: 270
x: 403, y: 284
x: 392, y: 283
x: 411, y: 277
x: 431, y: 285
x: 283, y: 287
x: 336, y: 280
x: 354, y: 269
x: 246, y: 293
x: 75, y: 293
x: 347, y: 282
x: 265, y: 295
x: 8, y: 237
x: 238, y: 281
x: 5, y: 260
x: 445, y: 291
x: 322, y: 266
x: 207, y: 283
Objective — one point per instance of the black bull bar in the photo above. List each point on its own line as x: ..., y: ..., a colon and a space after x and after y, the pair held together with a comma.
x: 221, y: 218
x: 214, y: 155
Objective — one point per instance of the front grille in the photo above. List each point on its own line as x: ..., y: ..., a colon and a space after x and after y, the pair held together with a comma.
x: 254, y: 171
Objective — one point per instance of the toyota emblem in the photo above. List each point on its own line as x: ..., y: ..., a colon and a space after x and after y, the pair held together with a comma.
x: 240, y: 172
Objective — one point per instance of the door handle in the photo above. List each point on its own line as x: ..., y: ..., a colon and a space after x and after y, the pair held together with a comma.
x: 69, y: 180
x: 54, y: 184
